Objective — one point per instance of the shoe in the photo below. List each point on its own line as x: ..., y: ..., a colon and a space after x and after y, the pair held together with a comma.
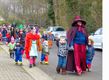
x: 63, y: 71
x: 46, y: 63
x: 58, y: 70
x: 30, y: 66
x: 88, y: 67
x: 20, y: 63
x: 16, y: 63
x: 88, y: 70
x: 34, y: 64
x: 41, y: 62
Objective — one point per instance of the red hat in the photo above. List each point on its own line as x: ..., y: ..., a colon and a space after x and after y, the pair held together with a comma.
x: 77, y: 19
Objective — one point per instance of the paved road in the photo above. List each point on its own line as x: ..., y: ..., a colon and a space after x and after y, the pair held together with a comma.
x: 9, y: 71
x: 17, y: 72
x: 95, y: 74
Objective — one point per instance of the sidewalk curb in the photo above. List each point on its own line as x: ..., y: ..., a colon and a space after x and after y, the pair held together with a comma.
x: 35, y: 72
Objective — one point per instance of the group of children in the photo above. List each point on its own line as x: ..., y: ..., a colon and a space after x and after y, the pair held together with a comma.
x: 17, y: 48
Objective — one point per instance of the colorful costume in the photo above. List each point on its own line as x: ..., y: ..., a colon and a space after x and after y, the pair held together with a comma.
x: 18, y: 53
x: 50, y: 40
x: 78, y: 38
x: 11, y: 47
x: 62, y: 56
x: 45, y: 52
x: 32, y: 46
x: 90, y: 54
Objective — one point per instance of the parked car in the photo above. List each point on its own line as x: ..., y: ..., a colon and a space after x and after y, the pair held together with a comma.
x: 97, y: 38
x: 50, y: 29
x: 57, y: 31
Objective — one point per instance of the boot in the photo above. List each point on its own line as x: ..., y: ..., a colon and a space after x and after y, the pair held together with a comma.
x: 30, y: 66
x: 20, y: 63
x: 46, y: 63
x: 88, y: 67
x: 16, y: 63
x: 34, y: 64
x: 63, y: 71
x: 58, y: 69
x: 41, y: 62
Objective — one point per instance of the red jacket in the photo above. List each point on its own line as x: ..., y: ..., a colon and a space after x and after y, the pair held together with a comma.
x: 8, y: 35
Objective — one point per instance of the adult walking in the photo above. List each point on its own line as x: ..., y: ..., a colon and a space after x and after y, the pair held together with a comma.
x: 78, y: 39
x: 4, y: 32
x: 13, y: 32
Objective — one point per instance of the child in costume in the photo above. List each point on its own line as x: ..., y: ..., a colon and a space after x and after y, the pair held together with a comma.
x: 32, y: 46
x: 11, y: 47
x: 90, y: 53
x: 18, y: 53
x: 50, y: 39
x: 62, y: 54
x: 44, y: 36
x: 45, y: 52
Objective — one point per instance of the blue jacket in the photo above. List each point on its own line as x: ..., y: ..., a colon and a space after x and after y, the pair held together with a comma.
x: 18, y: 49
x: 80, y: 38
x: 44, y: 37
x: 90, y: 54
x: 4, y: 32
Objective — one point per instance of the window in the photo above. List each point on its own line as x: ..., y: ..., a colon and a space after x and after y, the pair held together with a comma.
x: 98, y: 32
x: 48, y: 29
x: 60, y: 29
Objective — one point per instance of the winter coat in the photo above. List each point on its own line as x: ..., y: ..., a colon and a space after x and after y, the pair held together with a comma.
x: 62, y: 49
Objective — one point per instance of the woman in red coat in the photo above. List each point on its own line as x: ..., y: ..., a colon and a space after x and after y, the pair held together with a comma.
x: 78, y: 39
x: 32, y: 46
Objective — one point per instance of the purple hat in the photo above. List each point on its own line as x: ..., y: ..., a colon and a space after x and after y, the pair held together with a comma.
x: 37, y: 29
x: 77, y: 19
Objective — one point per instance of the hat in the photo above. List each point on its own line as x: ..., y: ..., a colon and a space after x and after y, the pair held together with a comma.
x: 77, y: 19
x: 37, y: 29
